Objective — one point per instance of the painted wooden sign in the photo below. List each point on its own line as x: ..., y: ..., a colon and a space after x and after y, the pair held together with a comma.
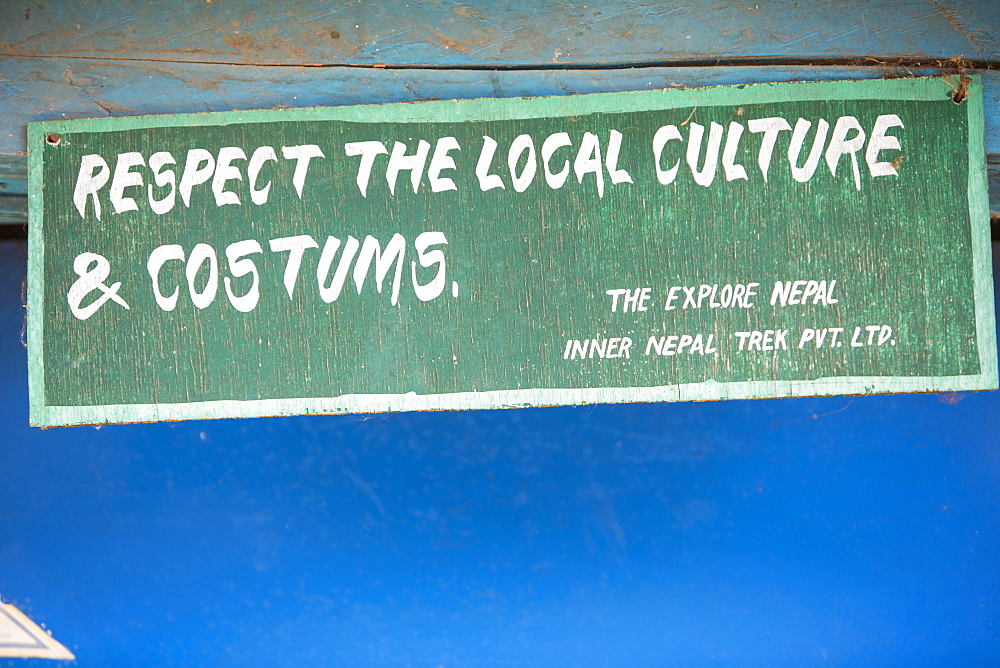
x: 747, y: 241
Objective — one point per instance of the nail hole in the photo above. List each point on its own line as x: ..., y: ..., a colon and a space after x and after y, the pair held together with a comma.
x: 52, y: 139
x: 959, y: 94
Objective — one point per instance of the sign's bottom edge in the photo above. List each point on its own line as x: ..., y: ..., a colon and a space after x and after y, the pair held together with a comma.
x: 58, y: 416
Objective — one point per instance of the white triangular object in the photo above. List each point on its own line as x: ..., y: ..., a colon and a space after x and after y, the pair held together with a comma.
x: 23, y: 639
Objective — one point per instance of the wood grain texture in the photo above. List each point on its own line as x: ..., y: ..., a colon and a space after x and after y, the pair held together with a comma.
x: 65, y: 88
x: 38, y: 89
x: 13, y: 190
x: 497, y: 32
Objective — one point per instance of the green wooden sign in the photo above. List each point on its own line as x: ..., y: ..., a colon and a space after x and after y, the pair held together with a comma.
x: 749, y: 241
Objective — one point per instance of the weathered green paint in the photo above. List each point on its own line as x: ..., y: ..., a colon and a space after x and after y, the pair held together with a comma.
x: 530, y: 269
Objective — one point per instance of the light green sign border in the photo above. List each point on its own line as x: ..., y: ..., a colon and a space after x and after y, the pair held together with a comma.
x: 917, y: 88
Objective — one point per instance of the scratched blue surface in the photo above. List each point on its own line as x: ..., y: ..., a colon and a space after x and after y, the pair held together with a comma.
x: 855, y: 531
x: 497, y: 32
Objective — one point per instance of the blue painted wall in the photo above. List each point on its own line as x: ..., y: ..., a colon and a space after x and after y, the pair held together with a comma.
x: 860, y: 531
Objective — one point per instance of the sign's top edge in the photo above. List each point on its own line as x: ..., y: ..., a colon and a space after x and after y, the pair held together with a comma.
x: 510, y: 108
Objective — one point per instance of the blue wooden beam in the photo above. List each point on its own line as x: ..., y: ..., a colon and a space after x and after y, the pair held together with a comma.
x: 64, y: 88
x: 498, y: 32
